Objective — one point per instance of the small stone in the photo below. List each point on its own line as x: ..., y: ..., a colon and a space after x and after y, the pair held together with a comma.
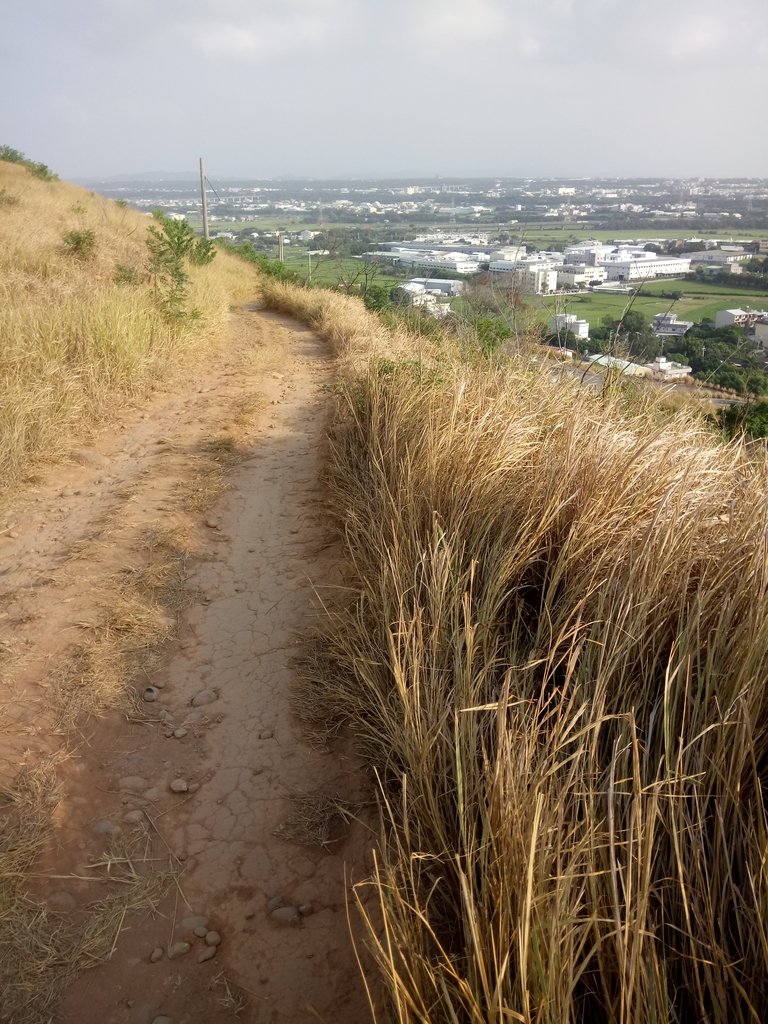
x: 165, y: 715
x: 90, y: 457
x: 180, y: 733
x: 286, y: 915
x: 306, y: 909
x: 201, y: 932
x: 250, y: 914
x: 195, y: 921
x: 134, y: 817
x: 193, y: 787
x: 168, y: 732
x: 213, y: 939
x: 194, y: 718
x: 156, y: 954
x: 204, y: 697
x: 273, y: 903
x: 179, y: 786
x: 62, y: 901
x: 207, y: 954
x: 177, y: 949
x: 212, y: 523
x: 152, y: 794
x: 106, y: 828
x: 132, y: 784
x: 150, y: 694
x: 13, y: 534
x: 266, y: 734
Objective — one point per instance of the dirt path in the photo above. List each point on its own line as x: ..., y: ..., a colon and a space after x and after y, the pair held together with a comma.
x: 233, y: 582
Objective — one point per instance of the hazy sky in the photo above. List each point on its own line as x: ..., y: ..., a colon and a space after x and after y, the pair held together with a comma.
x: 388, y: 87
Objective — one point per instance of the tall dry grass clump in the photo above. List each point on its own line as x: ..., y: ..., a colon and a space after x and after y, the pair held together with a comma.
x: 79, y: 318
x: 555, y: 659
x: 356, y: 335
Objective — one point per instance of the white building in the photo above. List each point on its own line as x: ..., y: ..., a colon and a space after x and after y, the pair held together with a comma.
x: 438, y: 286
x: 579, y: 276
x: 563, y: 323
x: 510, y: 252
x: 746, y: 318
x: 587, y: 254
x: 722, y: 257
x: 639, y: 265
x: 454, y: 262
x: 663, y: 369
x: 416, y: 295
x: 666, y: 325
x: 530, y: 279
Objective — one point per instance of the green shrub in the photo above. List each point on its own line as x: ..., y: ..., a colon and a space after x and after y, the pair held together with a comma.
x: 80, y: 244
x: 171, y: 244
x: 14, y: 156
x: 126, y: 275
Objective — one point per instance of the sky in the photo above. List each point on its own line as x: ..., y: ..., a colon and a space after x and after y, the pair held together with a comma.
x: 388, y: 88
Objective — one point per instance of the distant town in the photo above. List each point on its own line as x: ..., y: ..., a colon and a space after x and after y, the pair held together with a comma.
x: 688, y: 259
x: 604, y: 203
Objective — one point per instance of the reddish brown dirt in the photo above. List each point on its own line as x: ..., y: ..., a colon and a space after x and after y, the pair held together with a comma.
x: 256, y: 556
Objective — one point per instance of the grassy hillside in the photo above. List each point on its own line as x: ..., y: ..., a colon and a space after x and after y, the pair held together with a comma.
x: 554, y: 658
x: 81, y: 325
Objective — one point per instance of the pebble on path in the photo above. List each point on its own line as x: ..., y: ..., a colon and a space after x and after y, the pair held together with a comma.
x: 106, y: 828
x: 156, y: 954
x: 132, y: 784
x: 204, y: 697
x: 179, y: 786
x: 207, y: 954
x: 177, y: 949
x: 213, y: 939
x: 286, y: 915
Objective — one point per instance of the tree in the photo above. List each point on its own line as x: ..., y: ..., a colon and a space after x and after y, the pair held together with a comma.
x: 171, y: 243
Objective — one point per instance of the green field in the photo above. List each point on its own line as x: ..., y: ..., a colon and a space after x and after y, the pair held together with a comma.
x: 331, y: 272
x: 700, y: 299
x: 539, y: 234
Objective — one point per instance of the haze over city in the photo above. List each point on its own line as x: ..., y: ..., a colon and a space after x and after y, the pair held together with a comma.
x: 364, y: 87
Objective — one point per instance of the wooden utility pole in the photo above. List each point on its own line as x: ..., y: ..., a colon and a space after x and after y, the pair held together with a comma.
x: 205, y: 201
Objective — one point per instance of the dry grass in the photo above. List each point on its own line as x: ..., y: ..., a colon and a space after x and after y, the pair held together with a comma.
x: 554, y: 656
x: 316, y: 819
x: 41, y: 951
x: 75, y: 342
x: 356, y: 335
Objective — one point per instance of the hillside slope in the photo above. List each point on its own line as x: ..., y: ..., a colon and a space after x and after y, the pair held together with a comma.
x: 80, y: 319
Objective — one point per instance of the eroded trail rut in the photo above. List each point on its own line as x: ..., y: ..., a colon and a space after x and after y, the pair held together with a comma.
x: 221, y: 730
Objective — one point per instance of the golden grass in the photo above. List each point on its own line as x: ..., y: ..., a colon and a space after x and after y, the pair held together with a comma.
x: 75, y: 342
x: 554, y: 658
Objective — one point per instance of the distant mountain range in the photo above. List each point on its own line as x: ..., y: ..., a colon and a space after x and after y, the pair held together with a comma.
x: 142, y: 176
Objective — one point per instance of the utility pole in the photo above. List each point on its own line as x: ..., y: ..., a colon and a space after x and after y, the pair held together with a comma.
x: 309, y: 261
x: 280, y: 246
x: 205, y: 201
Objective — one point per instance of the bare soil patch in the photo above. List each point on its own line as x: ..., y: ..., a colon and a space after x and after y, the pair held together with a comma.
x: 152, y: 599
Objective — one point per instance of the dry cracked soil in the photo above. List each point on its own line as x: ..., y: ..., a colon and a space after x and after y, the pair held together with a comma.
x: 179, y: 558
